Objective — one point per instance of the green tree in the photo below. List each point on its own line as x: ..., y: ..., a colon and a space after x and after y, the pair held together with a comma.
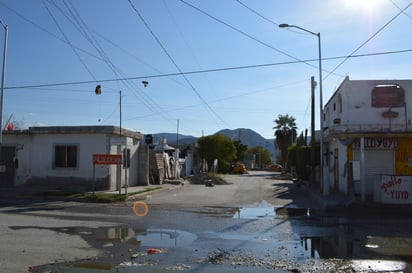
x: 240, y: 150
x: 301, y: 141
x: 285, y: 133
x: 263, y: 156
x: 218, y: 147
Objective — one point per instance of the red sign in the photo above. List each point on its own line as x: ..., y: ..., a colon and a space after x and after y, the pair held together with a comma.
x: 107, y: 159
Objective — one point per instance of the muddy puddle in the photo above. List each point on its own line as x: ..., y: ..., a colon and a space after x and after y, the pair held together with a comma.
x: 259, y: 238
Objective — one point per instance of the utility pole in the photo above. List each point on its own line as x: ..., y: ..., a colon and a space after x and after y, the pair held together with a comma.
x: 3, y: 76
x: 312, y: 132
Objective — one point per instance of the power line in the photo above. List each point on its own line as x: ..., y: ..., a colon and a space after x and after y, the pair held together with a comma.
x: 399, y: 8
x: 207, y: 70
x: 246, y: 34
x: 76, y: 20
x: 175, y: 64
x: 68, y: 41
x: 257, y: 13
x: 46, y: 31
x: 370, y: 38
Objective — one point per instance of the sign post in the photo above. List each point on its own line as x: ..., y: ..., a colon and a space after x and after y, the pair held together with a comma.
x: 105, y: 159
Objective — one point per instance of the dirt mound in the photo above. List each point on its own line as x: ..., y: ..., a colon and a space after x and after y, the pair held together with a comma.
x: 207, y: 179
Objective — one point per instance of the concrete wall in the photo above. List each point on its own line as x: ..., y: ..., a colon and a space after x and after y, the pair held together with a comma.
x: 357, y: 112
x: 349, y: 115
x: 35, y: 154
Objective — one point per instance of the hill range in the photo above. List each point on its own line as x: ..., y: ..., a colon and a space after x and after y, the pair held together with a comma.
x: 246, y: 136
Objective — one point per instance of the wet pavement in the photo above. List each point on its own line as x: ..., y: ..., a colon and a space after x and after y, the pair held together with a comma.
x: 279, y: 234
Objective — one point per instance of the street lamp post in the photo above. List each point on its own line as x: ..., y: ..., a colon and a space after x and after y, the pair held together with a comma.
x: 3, y: 75
x: 322, y: 180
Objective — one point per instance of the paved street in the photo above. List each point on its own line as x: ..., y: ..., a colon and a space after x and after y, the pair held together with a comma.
x: 241, y: 190
x: 28, y: 229
x: 255, y: 222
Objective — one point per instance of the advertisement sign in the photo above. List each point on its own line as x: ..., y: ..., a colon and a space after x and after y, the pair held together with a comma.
x: 107, y: 159
x: 395, y: 189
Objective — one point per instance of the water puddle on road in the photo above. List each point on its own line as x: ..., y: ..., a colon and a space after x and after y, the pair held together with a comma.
x: 266, y: 210
x: 252, y: 239
x: 165, y: 238
x: 144, y: 237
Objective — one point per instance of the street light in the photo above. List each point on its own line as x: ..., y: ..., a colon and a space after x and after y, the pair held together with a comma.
x: 3, y: 75
x: 322, y: 180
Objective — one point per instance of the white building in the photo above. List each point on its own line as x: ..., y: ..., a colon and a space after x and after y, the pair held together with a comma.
x: 368, y: 140
x: 62, y: 157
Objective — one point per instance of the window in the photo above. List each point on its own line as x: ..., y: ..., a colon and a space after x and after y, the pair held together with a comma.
x: 65, y: 156
x: 384, y: 96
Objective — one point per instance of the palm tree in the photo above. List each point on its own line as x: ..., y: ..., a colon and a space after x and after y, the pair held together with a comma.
x: 285, y: 133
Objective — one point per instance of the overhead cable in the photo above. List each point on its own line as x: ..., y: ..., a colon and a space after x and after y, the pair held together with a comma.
x: 247, y: 35
x: 367, y: 40
x: 175, y: 64
x: 206, y: 70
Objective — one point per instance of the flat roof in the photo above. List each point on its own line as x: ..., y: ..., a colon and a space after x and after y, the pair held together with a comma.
x: 87, y: 129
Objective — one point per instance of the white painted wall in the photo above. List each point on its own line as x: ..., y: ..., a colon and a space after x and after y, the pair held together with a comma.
x: 359, y: 116
x: 36, y: 157
x: 357, y: 111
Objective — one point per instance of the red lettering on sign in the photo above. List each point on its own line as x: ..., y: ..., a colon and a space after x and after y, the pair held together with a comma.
x: 400, y: 195
x: 391, y: 183
x: 107, y: 159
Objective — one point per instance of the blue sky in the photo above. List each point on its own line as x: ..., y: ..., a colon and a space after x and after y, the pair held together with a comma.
x: 240, y: 69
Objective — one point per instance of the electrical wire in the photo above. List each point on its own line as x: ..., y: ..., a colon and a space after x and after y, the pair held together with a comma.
x: 399, y: 8
x: 257, y: 13
x: 175, y: 64
x: 77, y: 22
x: 46, y: 31
x: 68, y: 41
x: 246, y: 34
x: 223, y: 69
x: 367, y: 40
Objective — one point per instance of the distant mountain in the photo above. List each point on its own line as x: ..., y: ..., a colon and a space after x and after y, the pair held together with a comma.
x: 172, y: 138
x: 251, y: 139
x: 246, y: 136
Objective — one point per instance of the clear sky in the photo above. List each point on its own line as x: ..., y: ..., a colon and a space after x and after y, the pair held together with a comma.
x: 210, y: 65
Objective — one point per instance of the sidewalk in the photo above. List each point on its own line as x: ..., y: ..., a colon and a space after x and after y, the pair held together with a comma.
x: 336, y: 202
x: 53, y: 194
x: 332, y: 201
x: 132, y: 190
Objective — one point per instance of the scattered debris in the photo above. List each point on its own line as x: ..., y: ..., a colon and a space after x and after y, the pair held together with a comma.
x: 179, y: 267
x: 209, y: 183
x: 205, y: 178
x: 238, y: 258
x: 134, y: 255
x: 156, y: 250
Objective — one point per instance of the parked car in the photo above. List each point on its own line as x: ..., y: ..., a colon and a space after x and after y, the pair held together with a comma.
x: 239, y: 168
x: 275, y: 168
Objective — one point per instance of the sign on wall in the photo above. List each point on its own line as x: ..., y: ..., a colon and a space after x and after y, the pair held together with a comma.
x: 377, y: 143
x: 107, y: 159
x: 393, y: 189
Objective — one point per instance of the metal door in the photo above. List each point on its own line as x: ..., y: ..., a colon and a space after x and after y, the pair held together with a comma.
x: 7, y: 166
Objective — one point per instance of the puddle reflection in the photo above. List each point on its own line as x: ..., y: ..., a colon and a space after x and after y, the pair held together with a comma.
x: 278, y: 233
x: 270, y: 211
x: 165, y: 238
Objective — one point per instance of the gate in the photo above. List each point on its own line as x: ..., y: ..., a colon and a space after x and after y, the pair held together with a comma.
x: 7, y: 166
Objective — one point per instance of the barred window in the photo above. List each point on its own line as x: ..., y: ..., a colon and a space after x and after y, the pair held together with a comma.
x: 65, y: 156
